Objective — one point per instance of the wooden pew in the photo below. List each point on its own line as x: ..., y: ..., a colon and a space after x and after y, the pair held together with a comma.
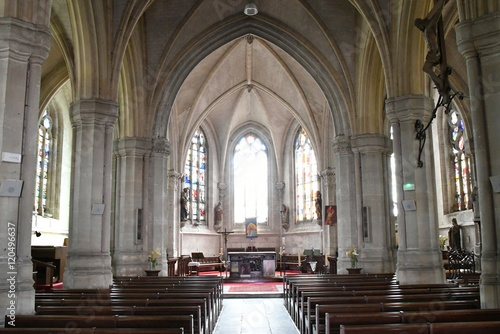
x: 133, y: 302
x: 127, y: 310
x: 310, y: 316
x: 483, y: 327
x: 319, y: 317
x: 333, y: 321
x: 104, y: 321
x: 52, y: 330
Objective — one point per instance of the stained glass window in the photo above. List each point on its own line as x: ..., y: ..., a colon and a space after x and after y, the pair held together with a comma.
x: 195, y: 177
x: 306, y: 178
x: 44, y: 153
x: 460, y: 159
x: 250, y: 180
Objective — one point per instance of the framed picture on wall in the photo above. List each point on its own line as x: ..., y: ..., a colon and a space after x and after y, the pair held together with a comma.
x: 331, y: 215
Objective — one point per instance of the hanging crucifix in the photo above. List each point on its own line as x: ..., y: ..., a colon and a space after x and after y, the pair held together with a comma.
x: 435, y: 66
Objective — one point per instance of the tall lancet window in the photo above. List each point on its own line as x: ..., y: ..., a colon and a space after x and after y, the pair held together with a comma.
x: 195, y: 174
x: 43, y: 163
x: 250, y: 180
x: 306, y: 178
x: 461, y: 160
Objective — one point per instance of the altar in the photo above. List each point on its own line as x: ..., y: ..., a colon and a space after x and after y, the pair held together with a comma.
x: 252, y: 264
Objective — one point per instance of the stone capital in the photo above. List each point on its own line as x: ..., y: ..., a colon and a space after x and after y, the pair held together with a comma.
x: 479, y: 36
x: 372, y: 144
x: 161, y: 145
x: 25, y: 38
x: 328, y: 176
x: 132, y: 147
x: 94, y: 111
x: 342, y: 145
x: 173, y: 179
x: 408, y: 108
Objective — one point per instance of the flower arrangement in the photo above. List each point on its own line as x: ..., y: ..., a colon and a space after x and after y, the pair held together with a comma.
x: 353, y: 254
x: 153, y: 257
x: 442, y: 240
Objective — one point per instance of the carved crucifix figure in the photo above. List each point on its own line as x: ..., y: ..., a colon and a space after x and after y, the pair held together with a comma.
x: 432, y: 27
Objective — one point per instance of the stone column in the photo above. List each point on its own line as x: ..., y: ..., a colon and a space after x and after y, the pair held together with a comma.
x: 477, y: 40
x: 158, y: 227
x: 89, y: 260
x: 346, y: 201
x: 129, y: 254
x: 375, y: 194
x: 173, y: 213
x: 329, y: 188
x: 419, y: 256
x: 23, y: 48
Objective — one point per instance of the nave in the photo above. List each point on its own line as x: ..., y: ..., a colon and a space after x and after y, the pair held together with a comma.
x: 254, y: 315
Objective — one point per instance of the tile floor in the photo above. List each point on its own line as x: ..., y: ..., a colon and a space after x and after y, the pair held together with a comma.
x: 255, y: 316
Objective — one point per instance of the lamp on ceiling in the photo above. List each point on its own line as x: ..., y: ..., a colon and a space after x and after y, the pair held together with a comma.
x: 250, y: 8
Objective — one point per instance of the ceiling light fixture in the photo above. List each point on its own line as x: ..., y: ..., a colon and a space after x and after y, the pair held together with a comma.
x: 250, y: 8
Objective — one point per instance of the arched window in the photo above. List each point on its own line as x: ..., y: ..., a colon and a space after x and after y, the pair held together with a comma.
x: 250, y: 180
x: 460, y: 159
x: 306, y: 178
x: 195, y: 174
x: 43, y: 163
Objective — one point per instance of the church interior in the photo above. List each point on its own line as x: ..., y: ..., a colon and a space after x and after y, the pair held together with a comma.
x: 182, y: 135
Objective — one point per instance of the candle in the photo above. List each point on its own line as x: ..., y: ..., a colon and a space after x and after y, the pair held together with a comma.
x: 281, y: 251
x: 326, y: 258
x: 299, y: 257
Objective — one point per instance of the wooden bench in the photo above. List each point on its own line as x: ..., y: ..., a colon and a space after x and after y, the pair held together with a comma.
x: 333, y: 321
x: 104, y: 321
x: 134, y: 302
x: 310, y: 316
x: 94, y: 330
x: 483, y: 327
x: 127, y: 310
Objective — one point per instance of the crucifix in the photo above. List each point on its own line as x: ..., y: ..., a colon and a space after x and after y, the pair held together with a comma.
x: 225, y: 234
x: 436, y: 66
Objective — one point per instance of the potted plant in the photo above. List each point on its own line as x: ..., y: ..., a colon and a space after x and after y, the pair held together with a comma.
x: 153, y: 261
x: 353, y: 255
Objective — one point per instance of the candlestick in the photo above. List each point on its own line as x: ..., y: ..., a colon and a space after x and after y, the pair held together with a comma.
x: 299, y: 257
x: 326, y: 258
x: 281, y: 251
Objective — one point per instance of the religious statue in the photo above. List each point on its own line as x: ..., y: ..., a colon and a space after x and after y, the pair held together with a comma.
x: 284, y: 217
x: 455, y: 235
x: 429, y: 26
x: 318, y: 205
x: 184, y: 204
x: 218, y: 215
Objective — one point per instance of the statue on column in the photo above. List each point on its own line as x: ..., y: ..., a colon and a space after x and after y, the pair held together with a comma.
x: 319, y: 204
x: 184, y: 204
x: 455, y: 235
x: 284, y: 217
x: 218, y: 216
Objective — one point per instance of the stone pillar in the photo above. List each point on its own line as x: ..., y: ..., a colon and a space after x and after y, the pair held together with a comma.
x: 173, y: 213
x: 477, y: 40
x: 346, y: 201
x: 129, y: 255
x: 329, y: 188
x: 375, y: 214
x: 89, y: 260
x: 158, y: 226
x: 23, y: 48
x: 419, y: 256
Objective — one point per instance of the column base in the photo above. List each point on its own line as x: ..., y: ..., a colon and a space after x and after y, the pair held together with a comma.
x: 489, y: 284
x: 88, y: 272
x: 420, y: 267
x: 17, y: 295
x: 130, y: 264
x: 377, y: 261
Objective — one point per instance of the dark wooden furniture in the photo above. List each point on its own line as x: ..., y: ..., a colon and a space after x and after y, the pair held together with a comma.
x: 55, y: 255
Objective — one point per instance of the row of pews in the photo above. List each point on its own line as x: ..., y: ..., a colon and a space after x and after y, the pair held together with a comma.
x: 143, y: 305
x: 377, y: 303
